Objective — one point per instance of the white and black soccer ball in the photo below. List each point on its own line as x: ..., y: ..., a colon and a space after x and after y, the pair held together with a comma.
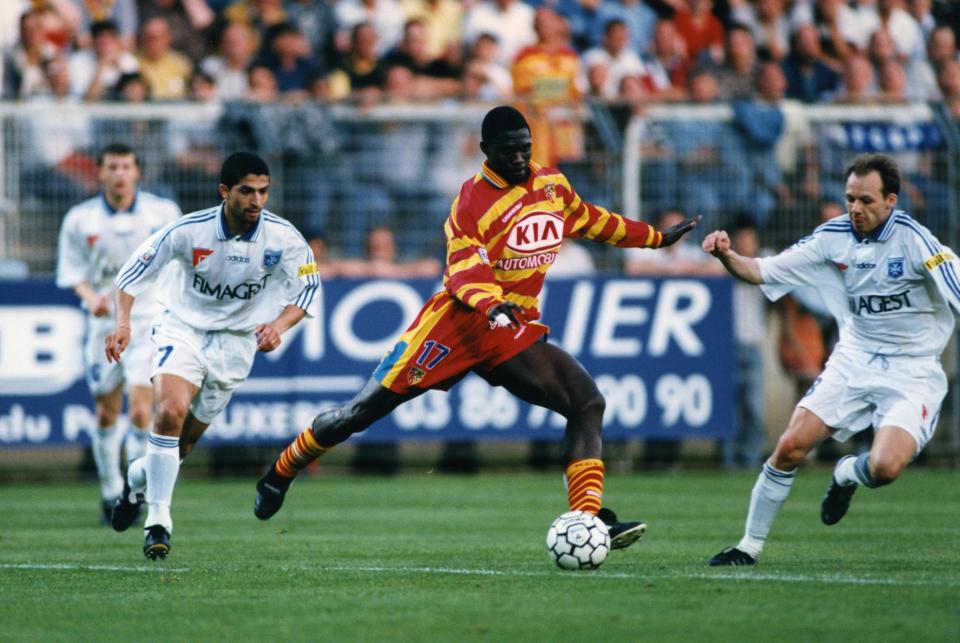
x: 578, y: 540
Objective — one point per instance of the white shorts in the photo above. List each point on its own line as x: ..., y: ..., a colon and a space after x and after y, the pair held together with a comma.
x: 133, y: 369
x: 858, y: 390
x: 216, y: 362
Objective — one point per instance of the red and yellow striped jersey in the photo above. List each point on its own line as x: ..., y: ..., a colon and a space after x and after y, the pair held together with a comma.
x: 502, y: 238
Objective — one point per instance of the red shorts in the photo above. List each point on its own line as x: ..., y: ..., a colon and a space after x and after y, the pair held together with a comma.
x: 446, y: 341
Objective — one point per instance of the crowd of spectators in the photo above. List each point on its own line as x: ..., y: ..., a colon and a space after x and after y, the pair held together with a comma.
x: 549, y: 56
x: 829, y: 50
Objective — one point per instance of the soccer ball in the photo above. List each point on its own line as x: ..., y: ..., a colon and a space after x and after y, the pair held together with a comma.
x: 578, y: 540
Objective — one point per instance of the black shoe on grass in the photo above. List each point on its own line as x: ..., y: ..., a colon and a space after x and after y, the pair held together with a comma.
x: 157, y: 542
x: 732, y: 557
x: 271, y: 490
x: 836, y: 502
x: 125, y: 512
x: 622, y: 534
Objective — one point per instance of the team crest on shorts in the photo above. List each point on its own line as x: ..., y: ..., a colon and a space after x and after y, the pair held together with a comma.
x: 895, y: 267
x: 271, y: 258
x: 415, y: 375
x: 550, y: 191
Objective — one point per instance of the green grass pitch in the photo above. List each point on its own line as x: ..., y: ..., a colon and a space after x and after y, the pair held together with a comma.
x: 436, y: 558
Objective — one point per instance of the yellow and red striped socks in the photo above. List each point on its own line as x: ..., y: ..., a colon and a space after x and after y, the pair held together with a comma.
x: 585, y: 485
x: 301, y: 452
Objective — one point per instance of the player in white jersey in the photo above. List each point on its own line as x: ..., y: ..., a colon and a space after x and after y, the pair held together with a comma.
x: 891, y: 285
x: 96, y: 238
x: 246, y: 276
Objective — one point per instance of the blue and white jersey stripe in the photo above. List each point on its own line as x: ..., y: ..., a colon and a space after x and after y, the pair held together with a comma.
x: 226, y: 281
x: 891, y: 291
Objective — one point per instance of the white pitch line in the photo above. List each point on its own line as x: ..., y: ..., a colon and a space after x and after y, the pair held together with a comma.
x: 787, y: 578
x: 90, y: 568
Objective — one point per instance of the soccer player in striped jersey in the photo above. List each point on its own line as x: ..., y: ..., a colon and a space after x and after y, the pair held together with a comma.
x: 237, y: 265
x: 891, y: 286
x: 96, y: 237
x: 504, y: 231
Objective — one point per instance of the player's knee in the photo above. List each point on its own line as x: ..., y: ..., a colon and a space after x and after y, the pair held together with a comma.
x: 593, y: 405
x: 790, y: 452
x: 885, y: 470
x: 141, y: 416
x: 106, y: 416
x: 170, y: 416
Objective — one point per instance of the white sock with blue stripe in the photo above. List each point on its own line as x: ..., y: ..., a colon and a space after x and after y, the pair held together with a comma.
x: 769, y: 494
x: 854, y: 470
x: 162, y: 465
x: 106, y: 455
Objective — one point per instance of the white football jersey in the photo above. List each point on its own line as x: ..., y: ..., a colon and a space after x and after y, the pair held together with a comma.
x: 890, y: 291
x: 226, y: 282
x: 95, y: 240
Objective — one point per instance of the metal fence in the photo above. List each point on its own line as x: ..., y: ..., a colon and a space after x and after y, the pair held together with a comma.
x: 337, y: 171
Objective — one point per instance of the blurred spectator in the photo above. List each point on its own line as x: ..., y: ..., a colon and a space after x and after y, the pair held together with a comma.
x: 893, y: 82
x: 810, y: 77
x: 288, y: 57
x: 316, y: 21
x: 769, y: 26
x: 858, y: 81
x: 949, y: 81
x: 919, y: 76
x: 24, y: 65
x: 745, y: 448
x: 189, y: 20
x: 682, y: 258
x: 317, y: 241
x: 95, y: 72
x: 166, y: 71
x: 667, y: 62
x: 122, y: 12
x: 510, y: 20
x: 434, y: 77
x: 262, y: 84
x: 10, y: 14
x: 131, y: 88
x: 942, y: 46
x: 616, y: 57
x: 921, y: 10
x: 545, y: 77
x: 386, y: 16
x: 365, y: 73
x: 761, y: 123
x: 701, y: 31
x: 382, y: 261
x: 638, y: 17
x: 736, y: 76
x: 443, y: 25
x: 230, y: 65
x: 55, y: 168
x: 259, y: 15
x: 841, y: 32
x: 497, y: 83
x: 892, y: 17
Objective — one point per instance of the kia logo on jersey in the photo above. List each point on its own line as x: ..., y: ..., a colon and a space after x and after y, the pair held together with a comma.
x: 536, y: 231
x: 199, y: 254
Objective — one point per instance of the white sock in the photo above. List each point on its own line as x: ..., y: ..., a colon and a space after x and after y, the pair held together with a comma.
x: 769, y: 494
x: 162, y: 467
x: 135, y: 443
x: 137, y: 475
x: 106, y: 454
x: 845, y: 473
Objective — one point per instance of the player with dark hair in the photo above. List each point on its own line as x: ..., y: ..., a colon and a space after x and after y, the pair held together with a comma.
x: 891, y: 285
x: 96, y: 238
x: 238, y: 264
x: 504, y: 231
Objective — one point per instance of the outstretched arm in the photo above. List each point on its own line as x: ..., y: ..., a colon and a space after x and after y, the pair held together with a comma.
x: 675, y: 232
x: 717, y: 243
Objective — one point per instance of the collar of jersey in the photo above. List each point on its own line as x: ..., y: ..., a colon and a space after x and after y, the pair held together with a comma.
x: 881, y: 233
x: 498, y: 181
x: 223, y: 229
x: 112, y: 210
